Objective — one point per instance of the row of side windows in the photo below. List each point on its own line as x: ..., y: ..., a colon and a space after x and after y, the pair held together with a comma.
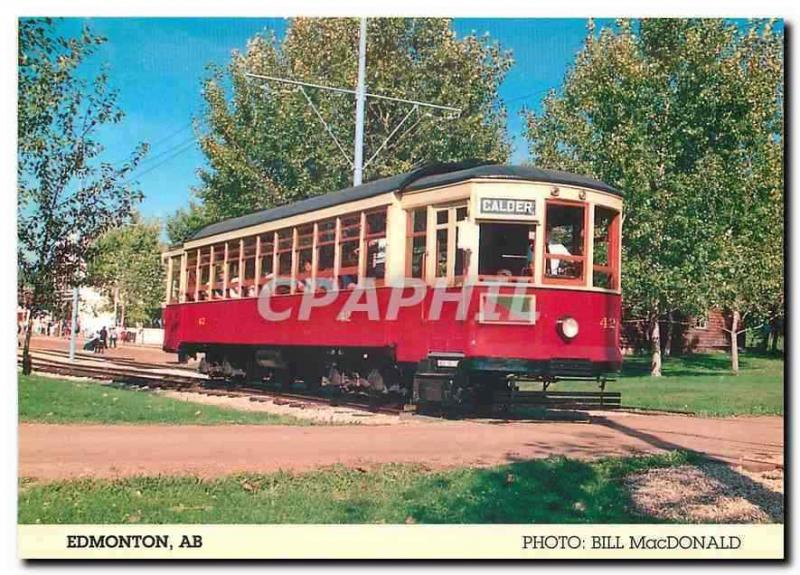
x: 342, y: 250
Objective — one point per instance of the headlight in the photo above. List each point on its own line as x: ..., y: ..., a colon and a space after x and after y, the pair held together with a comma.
x: 568, y: 326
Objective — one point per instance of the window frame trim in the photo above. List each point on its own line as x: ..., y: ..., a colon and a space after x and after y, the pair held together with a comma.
x: 512, y: 281
x: 575, y: 282
x: 614, y: 249
x: 410, y: 236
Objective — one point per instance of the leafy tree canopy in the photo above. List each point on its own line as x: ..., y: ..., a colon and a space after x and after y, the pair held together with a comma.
x: 185, y: 222
x: 125, y: 263
x: 67, y: 196
x: 266, y: 146
x: 686, y: 117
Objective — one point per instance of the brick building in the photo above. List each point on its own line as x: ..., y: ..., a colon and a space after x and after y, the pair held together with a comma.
x: 705, y: 333
x: 685, y: 335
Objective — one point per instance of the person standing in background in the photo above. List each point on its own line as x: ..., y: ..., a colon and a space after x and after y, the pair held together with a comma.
x: 103, y: 339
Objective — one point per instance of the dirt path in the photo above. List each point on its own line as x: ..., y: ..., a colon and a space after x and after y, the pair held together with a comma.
x: 69, y: 451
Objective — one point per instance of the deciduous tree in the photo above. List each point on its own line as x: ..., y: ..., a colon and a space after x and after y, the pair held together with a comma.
x: 185, y: 222
x: 658, y: 109
x: 125, y: 263
x: 747, y: 188
x: 67, y: 196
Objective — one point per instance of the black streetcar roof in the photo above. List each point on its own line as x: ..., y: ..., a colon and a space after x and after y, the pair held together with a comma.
x: 429, y: 176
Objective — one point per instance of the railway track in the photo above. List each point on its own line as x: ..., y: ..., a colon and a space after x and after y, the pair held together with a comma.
x: 146, y: 377
x: 116, y: 359
x: 132, y: 373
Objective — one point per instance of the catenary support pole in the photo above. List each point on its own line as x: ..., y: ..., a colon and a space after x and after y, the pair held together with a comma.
x: 361, y: 94
x: 358, y: 156
x: 73, y: 337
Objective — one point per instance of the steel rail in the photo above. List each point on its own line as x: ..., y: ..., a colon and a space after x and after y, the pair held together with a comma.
x: 197, y: 384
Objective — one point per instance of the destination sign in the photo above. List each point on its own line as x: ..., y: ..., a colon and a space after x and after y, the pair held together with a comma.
x: 508, y: 207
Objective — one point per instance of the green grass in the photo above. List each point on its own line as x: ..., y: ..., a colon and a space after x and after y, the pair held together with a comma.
x: 703, y: 384
x: 50, y: 400
x: 554, y: 490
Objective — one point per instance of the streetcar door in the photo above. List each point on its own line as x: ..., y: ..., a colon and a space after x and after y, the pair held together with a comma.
x: 448, y: 262
x: 449, y: 259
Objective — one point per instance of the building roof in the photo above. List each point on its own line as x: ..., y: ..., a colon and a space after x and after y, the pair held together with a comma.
x: 429, y: 176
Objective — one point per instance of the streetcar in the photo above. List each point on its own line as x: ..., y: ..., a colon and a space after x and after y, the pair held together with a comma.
x: 442, y: 285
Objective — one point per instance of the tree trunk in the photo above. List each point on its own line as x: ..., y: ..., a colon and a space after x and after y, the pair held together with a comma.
x: 668, y: 337
x: 122, y: 314
x: 655, y: 347
x: 766, y: 333
x: 774, y: 332
x: 27, y: 363
x: 735, y: 342
x: 116, y: 303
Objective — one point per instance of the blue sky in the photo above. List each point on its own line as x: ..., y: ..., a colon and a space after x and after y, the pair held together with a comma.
x: 157, y: 65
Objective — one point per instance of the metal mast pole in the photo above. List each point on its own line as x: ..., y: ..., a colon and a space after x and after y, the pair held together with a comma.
x: 72, y: 335
x: 358, y: 156
x: 357, y: 163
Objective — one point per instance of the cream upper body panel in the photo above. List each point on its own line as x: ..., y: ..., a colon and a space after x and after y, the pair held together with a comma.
x: 298, y: 220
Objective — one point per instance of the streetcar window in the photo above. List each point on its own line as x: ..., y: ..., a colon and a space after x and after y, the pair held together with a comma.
x: 461, y: 254
x: 375, y: 238
x: 191, y: 275
x: 304, y: 258
x: 506, y: 250
x: 326, y: 244
x: 233, y: 271
x: 267, y: 255
x: 233, y: 268
x: 564, y: 242
x: 442, y: 244
x: 205, y: 260
x: 249, y: 263
x: 284, y: 255
x: 217, y: 270
x: 606, y: 226
x: 205, y: 273
x: 415, y: 249
x: 441, y: 252
x: 449, y: 260
x: 349, y: 239
x: 175, y: 280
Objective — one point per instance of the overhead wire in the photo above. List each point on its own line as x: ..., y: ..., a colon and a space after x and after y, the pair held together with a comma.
x: 526, y: 96
x: 184, y: 146
x: 177, y: 151
x: 183, y: 128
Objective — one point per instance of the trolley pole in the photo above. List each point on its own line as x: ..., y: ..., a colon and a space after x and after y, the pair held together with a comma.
x: 73, y: 337
x: 358, y: 156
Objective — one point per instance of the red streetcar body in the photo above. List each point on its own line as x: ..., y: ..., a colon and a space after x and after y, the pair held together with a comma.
x: 411, y: 335
x: 534, y: 254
